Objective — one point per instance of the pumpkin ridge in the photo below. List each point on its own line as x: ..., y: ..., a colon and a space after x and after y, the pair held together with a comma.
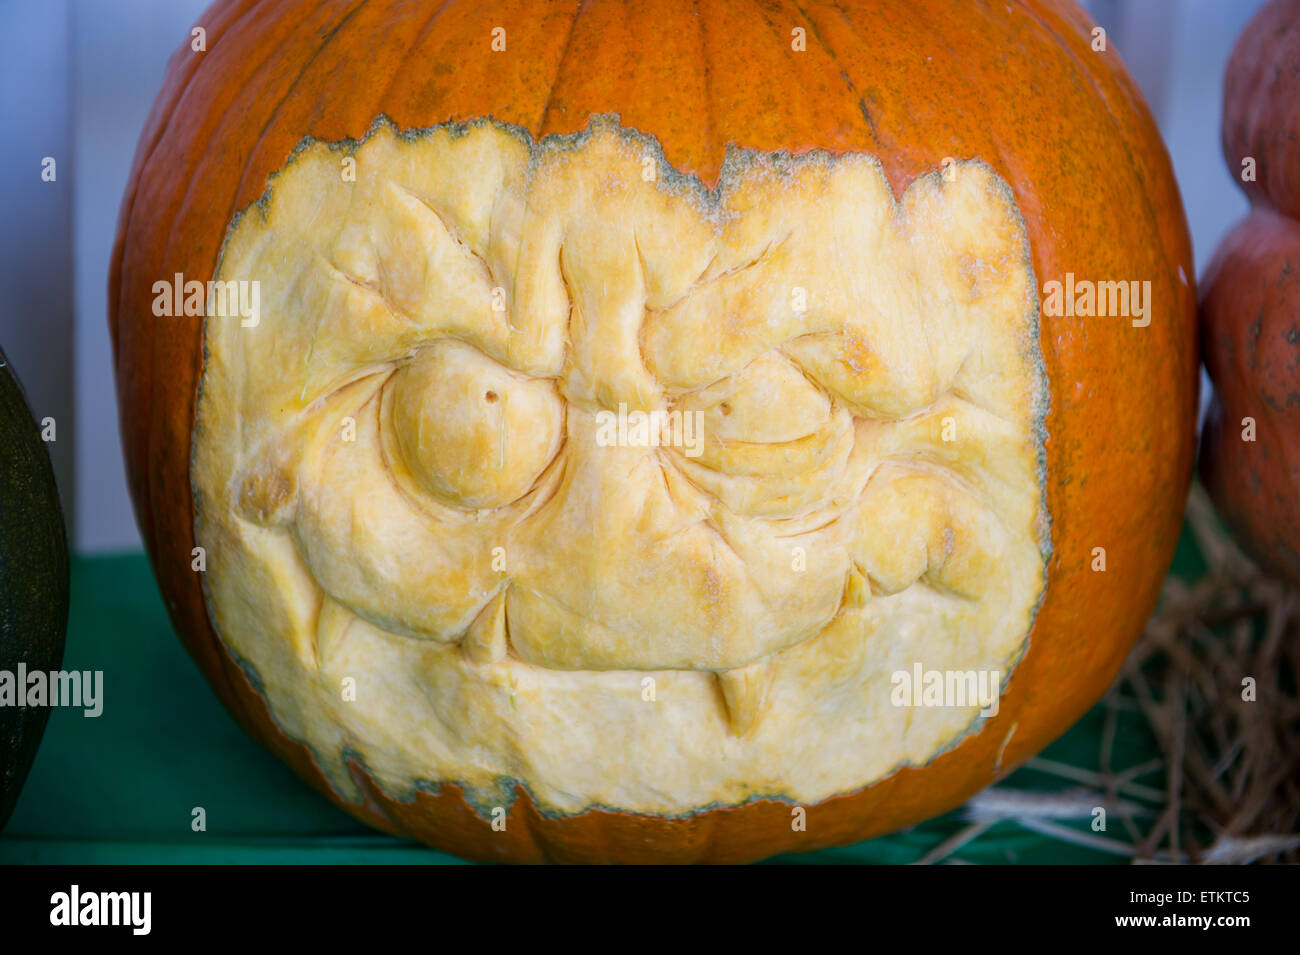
x: 565, y: 50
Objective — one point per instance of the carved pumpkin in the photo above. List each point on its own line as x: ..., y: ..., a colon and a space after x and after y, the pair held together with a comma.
x: 1250, y: 309
x: 629, y: 401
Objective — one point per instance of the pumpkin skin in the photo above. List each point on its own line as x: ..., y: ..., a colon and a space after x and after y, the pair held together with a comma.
x: 33, y: 580
x: 1119, y: 443
x: 1250, y: 316
x: 1250, y: 302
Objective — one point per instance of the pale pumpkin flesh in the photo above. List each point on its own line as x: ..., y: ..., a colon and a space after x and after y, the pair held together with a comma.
x: 427, y: 558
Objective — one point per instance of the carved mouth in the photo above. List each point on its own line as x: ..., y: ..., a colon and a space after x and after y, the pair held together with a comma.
x: 742, y: 690
x: 401, y: 479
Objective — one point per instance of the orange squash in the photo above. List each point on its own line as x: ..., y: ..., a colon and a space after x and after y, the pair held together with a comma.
x: 1250, y: 306
x: 611, y: 416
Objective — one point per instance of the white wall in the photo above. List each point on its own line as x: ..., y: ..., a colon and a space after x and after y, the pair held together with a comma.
x: 78, y: 79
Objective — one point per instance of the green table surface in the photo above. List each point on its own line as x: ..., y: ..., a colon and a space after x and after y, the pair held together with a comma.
x: 120, y: 788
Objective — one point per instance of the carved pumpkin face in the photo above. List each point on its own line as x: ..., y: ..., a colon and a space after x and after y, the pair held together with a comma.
x: 400, y: 478
x: 616, y: 424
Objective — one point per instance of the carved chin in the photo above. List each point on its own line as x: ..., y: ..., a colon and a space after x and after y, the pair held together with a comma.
x: 424, y: 542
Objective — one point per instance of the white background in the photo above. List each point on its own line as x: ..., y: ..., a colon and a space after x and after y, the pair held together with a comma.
x: 79, y: 77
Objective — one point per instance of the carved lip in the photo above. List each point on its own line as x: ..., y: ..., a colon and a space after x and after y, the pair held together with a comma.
x: 743, y: 689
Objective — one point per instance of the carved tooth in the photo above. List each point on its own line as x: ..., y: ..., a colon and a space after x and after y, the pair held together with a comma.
x: 488, y: 635
x: 332, y: 624
x: 857, y: 590
x: 744, y: 694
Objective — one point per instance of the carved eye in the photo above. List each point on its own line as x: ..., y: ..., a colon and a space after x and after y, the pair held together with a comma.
x: 471, y: 432
x: 768, y: 402
x: 773, y: 443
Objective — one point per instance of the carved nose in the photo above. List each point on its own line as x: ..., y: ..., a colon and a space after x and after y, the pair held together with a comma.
x: 625, y: 566
x: 608, y: 308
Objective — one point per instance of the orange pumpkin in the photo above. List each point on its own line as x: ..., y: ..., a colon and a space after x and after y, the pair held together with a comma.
x: 1250, y: 307
x: 428, y: 502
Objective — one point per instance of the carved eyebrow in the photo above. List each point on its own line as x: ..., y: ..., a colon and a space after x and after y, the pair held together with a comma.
x: 423, y: 202
x: 475, y: 334
x: 705, y: 280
